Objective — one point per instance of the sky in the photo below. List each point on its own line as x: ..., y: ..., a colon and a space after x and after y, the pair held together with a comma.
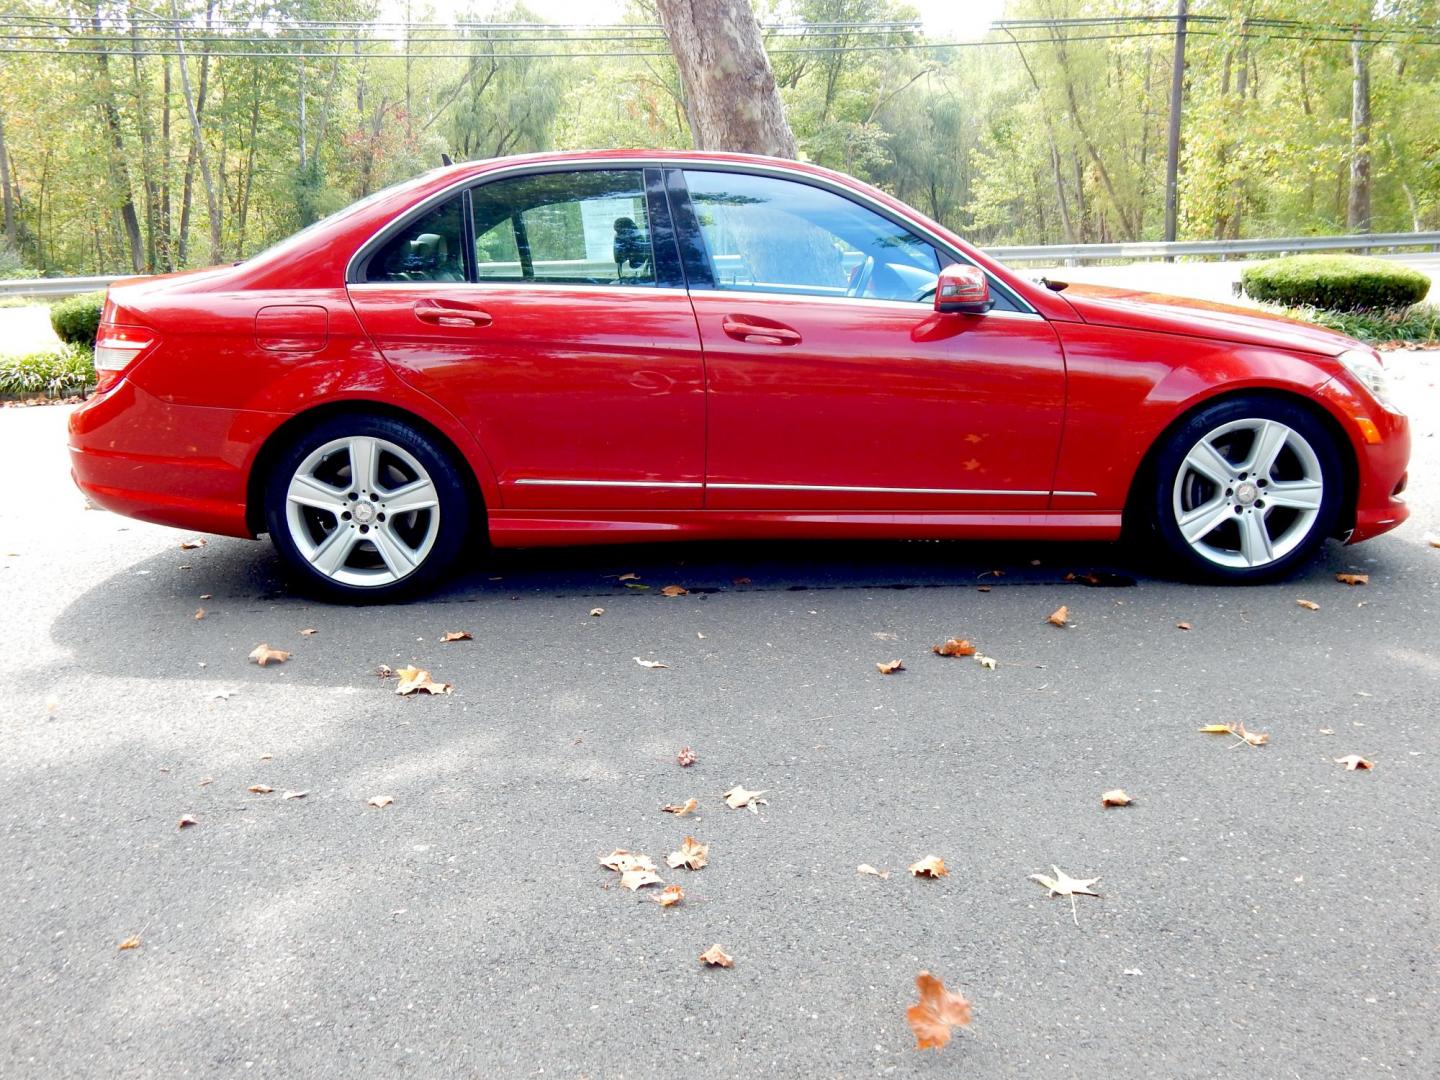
x: 945, y: 20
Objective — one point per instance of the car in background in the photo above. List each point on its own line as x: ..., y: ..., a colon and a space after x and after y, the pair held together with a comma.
x: 632, y: 346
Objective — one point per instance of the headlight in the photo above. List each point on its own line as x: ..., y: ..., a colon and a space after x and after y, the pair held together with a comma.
x: 1366, y: 367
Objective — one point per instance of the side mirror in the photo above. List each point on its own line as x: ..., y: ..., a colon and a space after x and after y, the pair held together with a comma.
x: 963, y: 288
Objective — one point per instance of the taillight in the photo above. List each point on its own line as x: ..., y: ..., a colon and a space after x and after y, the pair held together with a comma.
x: 116, y: 350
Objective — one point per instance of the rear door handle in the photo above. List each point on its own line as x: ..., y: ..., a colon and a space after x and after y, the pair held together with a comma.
x: 756, y: 331
x: 451, y: 313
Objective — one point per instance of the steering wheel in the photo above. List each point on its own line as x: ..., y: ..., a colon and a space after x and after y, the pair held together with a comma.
x: 861, y: 279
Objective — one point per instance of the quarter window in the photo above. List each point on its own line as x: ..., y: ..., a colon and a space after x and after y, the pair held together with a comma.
x: 429, y: 248
x: 573, y: 228
x: 770, y: 235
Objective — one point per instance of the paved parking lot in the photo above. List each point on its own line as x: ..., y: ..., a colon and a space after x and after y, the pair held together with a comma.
x: 1264, y: 913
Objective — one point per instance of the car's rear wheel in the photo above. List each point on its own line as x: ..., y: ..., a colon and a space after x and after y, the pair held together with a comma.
x: 366, y: 508
x: 1247, y: 489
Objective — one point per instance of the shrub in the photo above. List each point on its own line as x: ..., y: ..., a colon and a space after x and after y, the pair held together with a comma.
x: 1335, y: 283
x: 59, y: 372
x: 77, y: 319
x: 1419, y: 325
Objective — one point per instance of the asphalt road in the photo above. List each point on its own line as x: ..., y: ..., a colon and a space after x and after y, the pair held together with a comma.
x: 1265, y: 913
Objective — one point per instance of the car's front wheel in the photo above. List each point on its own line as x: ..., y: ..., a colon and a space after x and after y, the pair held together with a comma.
x: 365, y: 508
x: 1247, y: 489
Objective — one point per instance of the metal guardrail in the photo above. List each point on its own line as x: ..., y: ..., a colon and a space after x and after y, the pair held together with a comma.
x: 1061, y: 254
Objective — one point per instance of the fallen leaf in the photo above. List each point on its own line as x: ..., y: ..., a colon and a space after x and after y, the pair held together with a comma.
x: 1354, y: 761
x: 129, y: 943
x: 638, y: 878
x: 295, y: 794
x: 623, y: 860
x: 597, y: 611
x: 1432, y: 540
x: 384, y: 671
x: 309, y: 631
x: 674, y: 590
x: 937, y: 1011
x: 741, y: 581
x: 206, y: 781
x: 982, y: 588
x: 1059, y: 617
x: 715, y: 956
x: 866, y: 868
x: 1308, y: 605
x: 413, y: 681
x: 737, y: 798
x: 692, y: 855
x: 628, y: 577
x: 379, y: 802
x: 259, y: 789
x: 988, y: 662
x: 683, y: 809
x: 670, y: 896
x: 455, y: 635
x: 205, y: 595
x: 193, y: 543
x: 262, y: 654
x: 686, y: 757
x: 932, y: 866
x: 1327, y: 731
x: 1353, y: 579
x: 1183, y: 626
x: 1254, y: 738
x: 991, y: 573
x: 650, y: 663
x: 953, y: 647
x: 1115, y: 797
x: 1062, y: 884
x: 187, y: 821
x: 637, y: 586
x: 890, y: 667
x: 199, y: 614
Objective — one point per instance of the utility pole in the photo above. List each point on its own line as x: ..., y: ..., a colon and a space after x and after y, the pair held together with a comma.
x: 1177, y: 95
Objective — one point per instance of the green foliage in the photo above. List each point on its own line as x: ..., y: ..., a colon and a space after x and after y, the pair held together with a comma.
x: 1347, y: 283
x: 60, y: 372
x: 1419, y: 325
x: 12, y: 263
x: 77, y: 318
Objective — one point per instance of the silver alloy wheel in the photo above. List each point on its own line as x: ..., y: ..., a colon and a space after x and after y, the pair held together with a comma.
x: 363, y: 511
x: 1248, y: 493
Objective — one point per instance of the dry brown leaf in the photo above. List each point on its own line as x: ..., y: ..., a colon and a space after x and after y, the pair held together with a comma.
x: 953, y: 647
x: 650, y: 663
x: 1059, y: 617
x: 937, y: 1011
x: 295, y: 794
x: 1354, y: 761
x: 259, y: 789
x: 866, y: 868
x: 715, y: 956
x: 132, y: 942
x: 384, y: 671
x: 597, y: 611
x: 684, y: 809
x: 1432, y: 540
x: 623, y: 860
x: 199, y: 614
x: 983, y: 588
x: 686, y: 757
x: 1353, y: 579
x: 187, y: 821
x: 1062, y: 884
x: 415, y: 681
x: 628, y: 577
x: 193, y: 543
x: 987, y: 662
x: 932, y: 866
x: 1308, y: 605
x: 1254, y: 738
x: 309, y: 631
x: 738, y: 798
x: 1115, y: 797
x: 741, y: 581
x: 638, y: 878
x: 262, y: 654
x: 890, y: 667
x: 455, y: 635
x: 379, y: 802
x: 670, y: 896
x: 674, y: 590
x: 1183, y: 626
x: 692, y: 855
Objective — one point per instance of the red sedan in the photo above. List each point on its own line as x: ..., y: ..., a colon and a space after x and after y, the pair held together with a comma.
x: 602, y: 347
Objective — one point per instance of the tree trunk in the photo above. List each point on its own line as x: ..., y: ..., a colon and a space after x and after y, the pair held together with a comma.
x: 1357, y: 213
x: 147, y: 145
x: 730, y: 92
x: 211, y: 202
x: 119, y: 173
x: 11, y: 232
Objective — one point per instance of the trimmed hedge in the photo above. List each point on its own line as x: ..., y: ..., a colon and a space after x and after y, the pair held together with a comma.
x: 60, y: 372
x: 1335, y: 283
x: 77, y: 319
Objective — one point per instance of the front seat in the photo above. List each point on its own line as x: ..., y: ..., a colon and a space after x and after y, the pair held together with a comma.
x: 429, y: 259
x: 632, y: 247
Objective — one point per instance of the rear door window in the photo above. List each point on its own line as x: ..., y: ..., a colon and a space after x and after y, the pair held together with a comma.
x: 430, y: 247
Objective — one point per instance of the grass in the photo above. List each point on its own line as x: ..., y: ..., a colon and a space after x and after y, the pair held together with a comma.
x: 1418, y: 325
x: 64, y: 371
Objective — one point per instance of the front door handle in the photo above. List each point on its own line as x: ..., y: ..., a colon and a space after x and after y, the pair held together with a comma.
x: 754, y: 330
x: 451, y: 313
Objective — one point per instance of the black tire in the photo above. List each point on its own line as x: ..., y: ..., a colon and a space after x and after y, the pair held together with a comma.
x: 1291, y: 536
x: 403, y: 455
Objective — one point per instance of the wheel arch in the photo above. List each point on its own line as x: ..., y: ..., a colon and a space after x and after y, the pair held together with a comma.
x: 1134, y: 515
x: 283, y: 437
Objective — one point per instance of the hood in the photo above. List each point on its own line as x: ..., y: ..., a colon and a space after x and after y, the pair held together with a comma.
x: 1135, y: 309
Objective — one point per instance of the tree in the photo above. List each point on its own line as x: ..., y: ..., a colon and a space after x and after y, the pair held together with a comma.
x: 731, y: 99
